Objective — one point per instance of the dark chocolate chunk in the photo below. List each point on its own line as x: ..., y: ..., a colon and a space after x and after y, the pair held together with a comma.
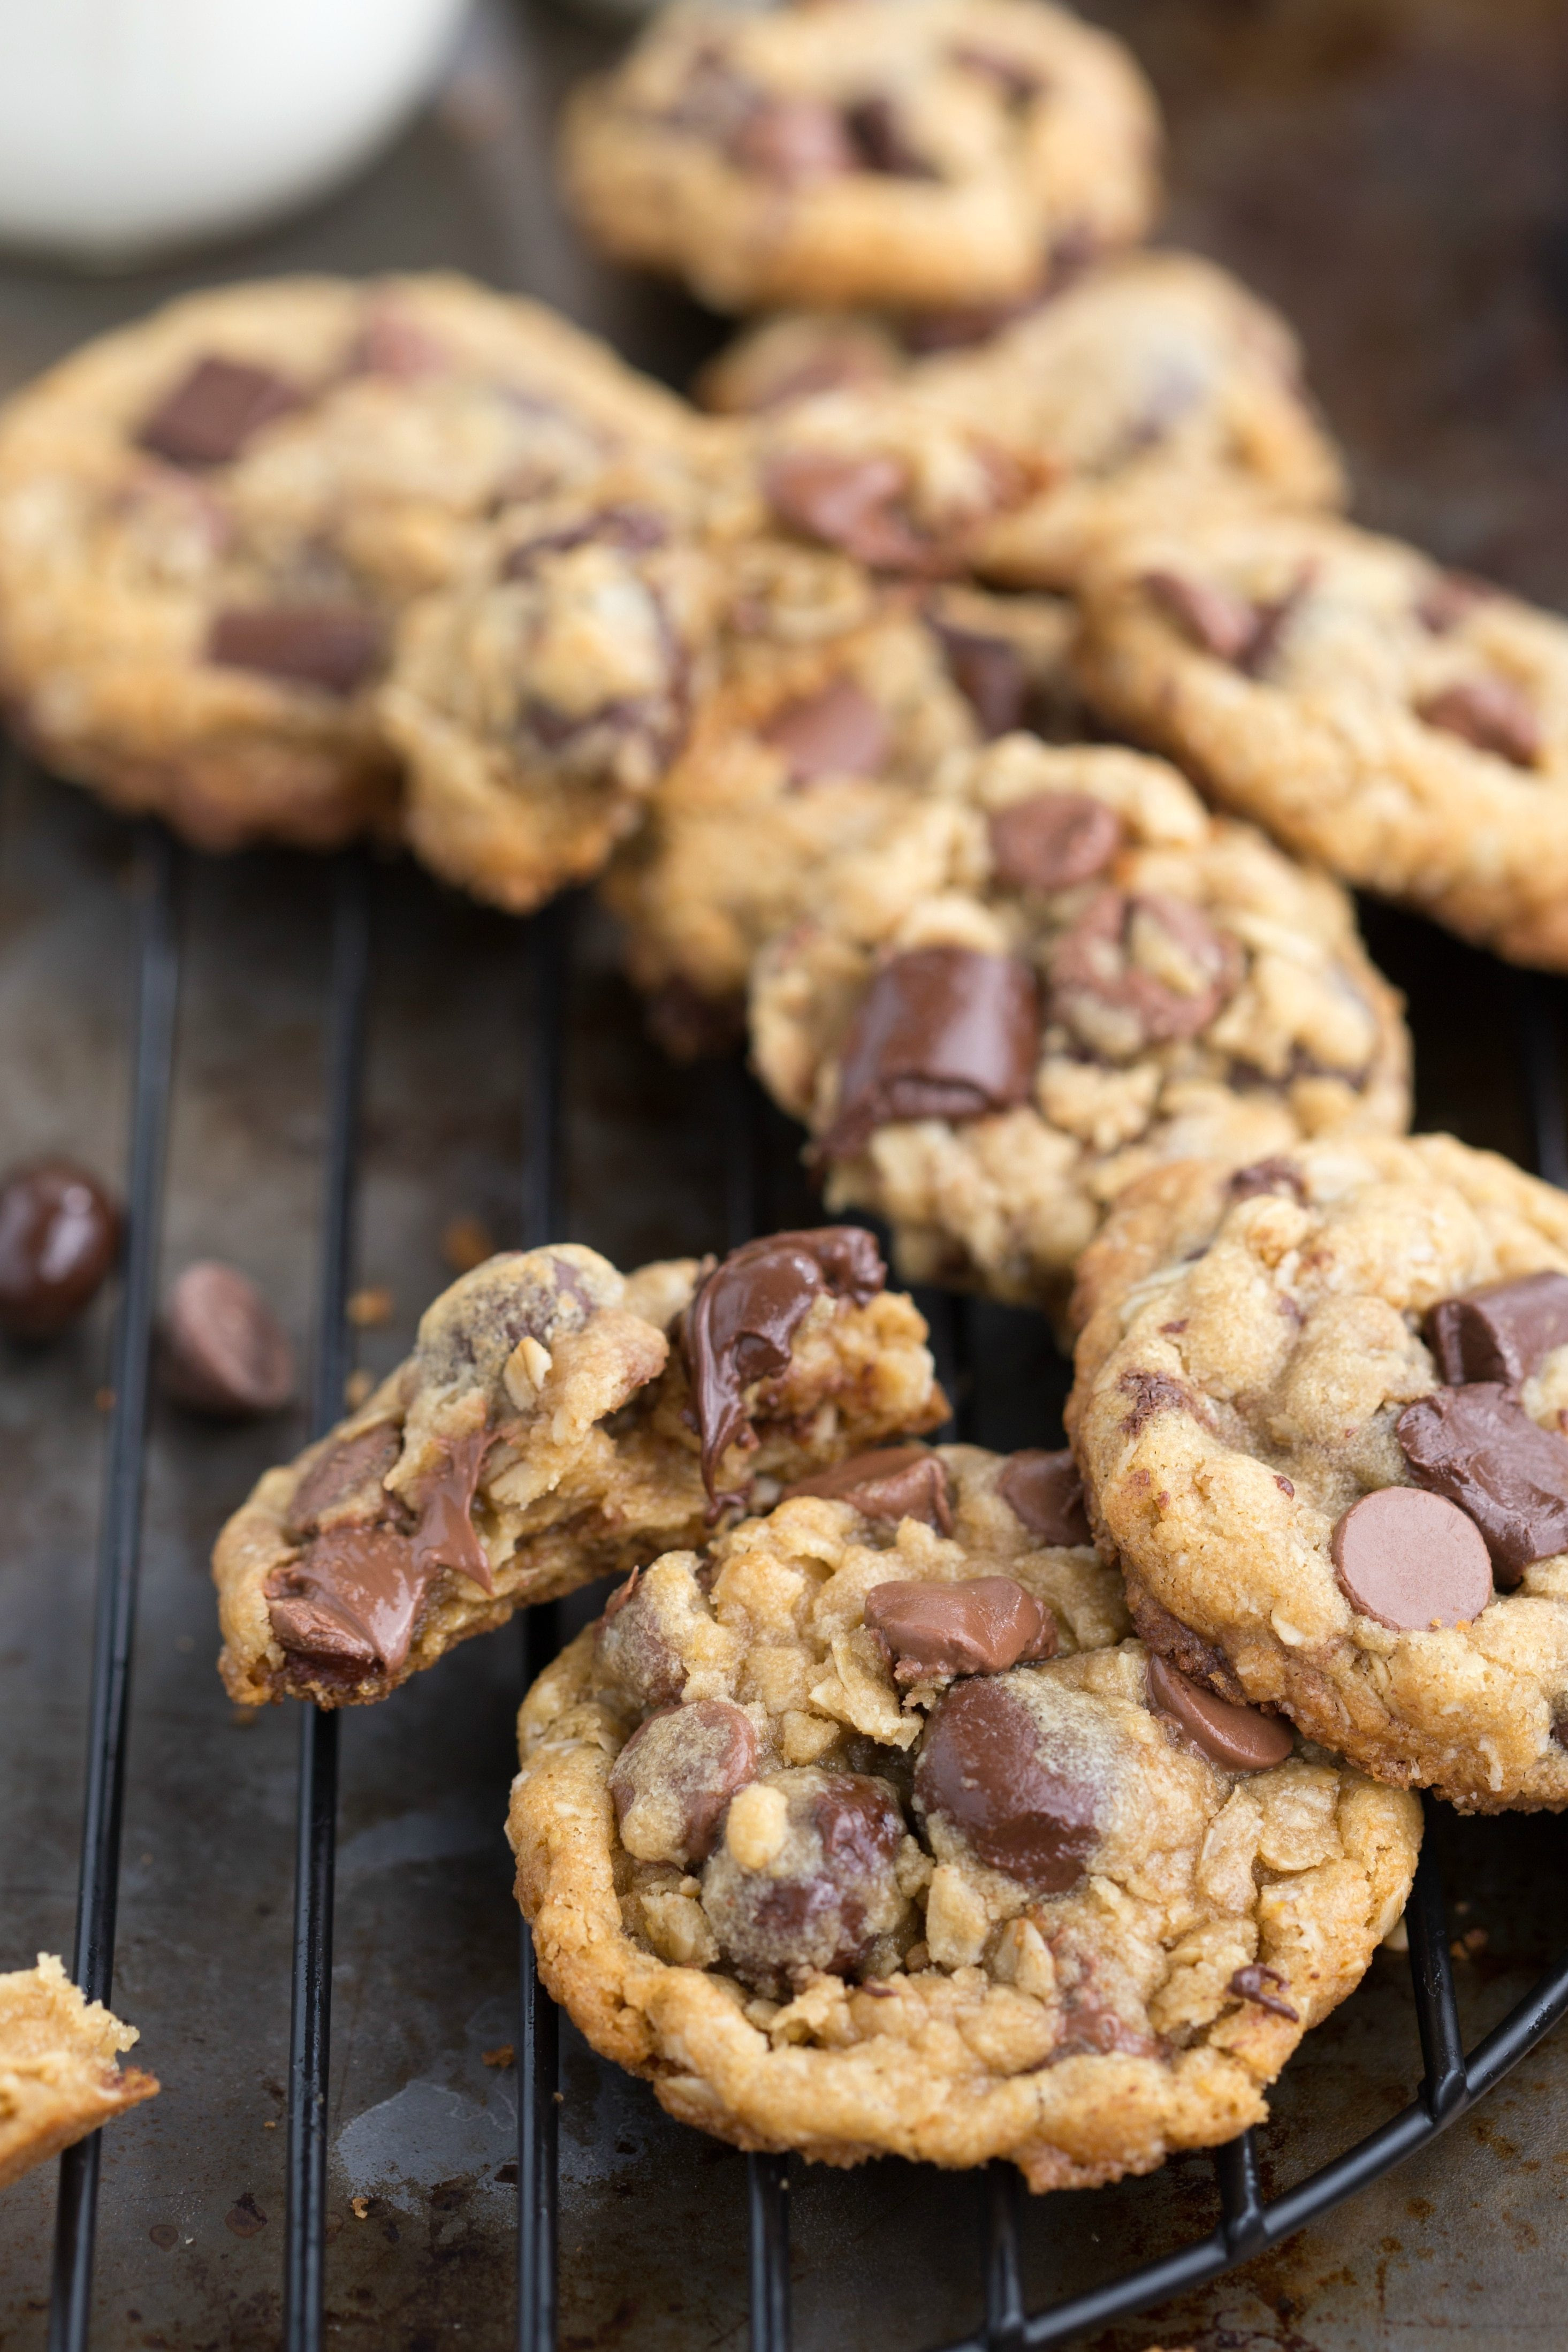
x: 60, y: 1235
x: 1479, y: 1447
x: 894, y: 1482
x: 1238, y: 1739
x: 214, y: 411
x: 1501, y: 1331
x: 1053, y: 841
x: 979, y: 1625
x: 1044, y: 1491
x: 942, y: 1033
x: 1256, y: 1983
x: 1493, y: 713
x: 838, y: 732
x: 794, y: 140
x: 1111, y: 982
x: 1412, y: 1561
x: 223, y: 1350
x: 742, y: 1321
x: 333, y: 646
x: 674, y: 1777
x: 981, y: 1768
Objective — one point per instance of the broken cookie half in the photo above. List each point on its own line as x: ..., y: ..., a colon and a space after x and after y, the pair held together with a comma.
x: 59, y: 2074
x: 558, y: 1422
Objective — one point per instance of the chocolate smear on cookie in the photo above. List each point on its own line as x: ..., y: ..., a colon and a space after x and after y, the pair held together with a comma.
x: 1237, y: 1738
x: 1479, y: 1447
x: 1411, y: 1561
x: 978, y: 1626
x: 1044, y: 1491
x: 742, y: 1321
x: 942, y: 1033
x: 838, y: 732
x: 981, y: 1769
x: 332, y: 646
x: 1502, y: 1330
x: 893, y: 1482
x: 215, y: 410
x: 445, y: 1537
x: 1053, y: 841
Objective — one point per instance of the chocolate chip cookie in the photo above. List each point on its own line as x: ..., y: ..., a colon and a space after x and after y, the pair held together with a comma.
x: 1408, y: 726
x: 557, y: 1422
x: 1321, y: 1408
x: 60, y: 2078
x: 955, y: 151
x: 210, y: 520
x: 1075, y: 973
x: 1156, y: 387
x: 836, y: 702
x: 866, y: 1832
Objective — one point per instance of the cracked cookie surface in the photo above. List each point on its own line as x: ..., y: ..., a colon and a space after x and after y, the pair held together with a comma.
x: 557, y: 1422
x: 1050, y: 976
x: 59, y: 2076
x: 1320, y: 1408
x: 806, y: 1838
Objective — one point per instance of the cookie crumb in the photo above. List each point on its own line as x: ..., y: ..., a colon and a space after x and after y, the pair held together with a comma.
x: 502, y: 2055
x: 466, y: 1242
x: 357, y: 1387
x: 367, y: 1309
x: 361, y: 2206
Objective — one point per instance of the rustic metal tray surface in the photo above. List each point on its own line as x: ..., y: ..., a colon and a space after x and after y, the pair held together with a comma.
x: 1393, y: 174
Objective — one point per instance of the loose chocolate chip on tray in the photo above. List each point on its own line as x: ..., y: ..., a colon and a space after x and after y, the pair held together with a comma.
x: 980, y: 1769
x: 1053, y: 841
x: 1501, y: 1331
x: 942, y: 1033
x: 215, y: 410
x: 1044, y: 1491
x: 1490, y: 712
x: 838, y: 732
x: 59, y: 1234
x: 1412, y: 1561
x: 894, y: 1482
x: 333, y: 646
x: 1238, y: 1739
x: 223, y: 1351
x: 978, y: 1626
x: 1478, y: 1446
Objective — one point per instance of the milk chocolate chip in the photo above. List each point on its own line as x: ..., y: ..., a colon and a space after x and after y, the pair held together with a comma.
x: 1216, y: 619
x: 740, y: 1326
x: 1411, y: 1561
x: 980, y: 1768
x: 1138, y: 971
x: 210, y: 415
x: 1490, y: 712
x: 991, y: 675
x: 852, y: 503
x: 59, y: 1234
x: 1479, y: 1447
x: 353, y: 1470
x: 1501, y: 1331
x: 1053, y: 841
x: 333, y: 646
x: 942, y: 1033
x: 1046, y: 1492
x: 676, y: 1774
x: 1275, y: 1175
x: 794, y: 140
x: 838, y: 732
x: 1238, y: 1739
x: 223, y: 1350
x: 894, y: 1482
x: 633, y: 1648
x: 980, y: 1625
x: 827, y: 1891
x: 881, y: 141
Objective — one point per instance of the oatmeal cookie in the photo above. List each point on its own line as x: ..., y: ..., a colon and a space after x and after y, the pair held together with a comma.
x: 866, y: 1832
x: 1408, y: 726
x: 1159, y: 386
x: 1074, y: 972
x: 1319, y: 1405
x: 835, y: 702
x: 59, y: 2075
x: 946, y: 151
x: 557, y: 1422
x: 210, y: 520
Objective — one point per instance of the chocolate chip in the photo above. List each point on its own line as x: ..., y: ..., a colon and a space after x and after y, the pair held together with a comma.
x: 1411, y: 1561
x: 445, y: 1535
x: 1449, y: 598
x: 990, y: 673
x: 1136, y: 971
x: 59, y: 1234
x: 942, y: 1033
x: 964, y: 324
x: 828, y: 1893
x: 980, y: 1625
x: 1275, y: 1175
x: 1017, y: 82
x: 1502, y: 1330
x: 349, y: 1601
x: 632, y: 1648
x: 352, y: 1469
x: 635, y: 528
x: 1254, y: 1983
x: 1490, y: 712
x: 221, y: 1349
x: 852, y: 503
x: 1052, y: 841
x: 894, y: 1482
x: 1152, y: 1393
x: 742, y: 1321
x: 1218, y: 620
x: 1238, y: 1739
x: 839, y: 731
x: 1165, y: 1636
x: 794, y: 140
x: 333, y: 646
x: 882, y: 144
x: 981, y: 1768
x: 215, y: 410
x: 1479, y: 1447
x: 672, y: 1781
x: 1044, y: 1491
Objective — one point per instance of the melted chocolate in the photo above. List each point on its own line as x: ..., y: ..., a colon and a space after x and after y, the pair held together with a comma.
x: 978, y: 1626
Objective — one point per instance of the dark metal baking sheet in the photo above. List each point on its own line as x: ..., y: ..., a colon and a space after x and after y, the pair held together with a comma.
x: 1395, y: 171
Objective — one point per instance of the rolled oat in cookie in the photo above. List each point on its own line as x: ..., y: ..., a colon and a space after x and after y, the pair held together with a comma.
x: 866, y: 1830
x: 59, y: 2072
x: 960, y: 151
x: 558, y: 1420
x: 1323, y: 1498
x: 1405, y: 725
x: 1055, y: 973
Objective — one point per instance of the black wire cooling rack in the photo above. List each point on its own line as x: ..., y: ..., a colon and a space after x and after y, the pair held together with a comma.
x: 1453, y: 2079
